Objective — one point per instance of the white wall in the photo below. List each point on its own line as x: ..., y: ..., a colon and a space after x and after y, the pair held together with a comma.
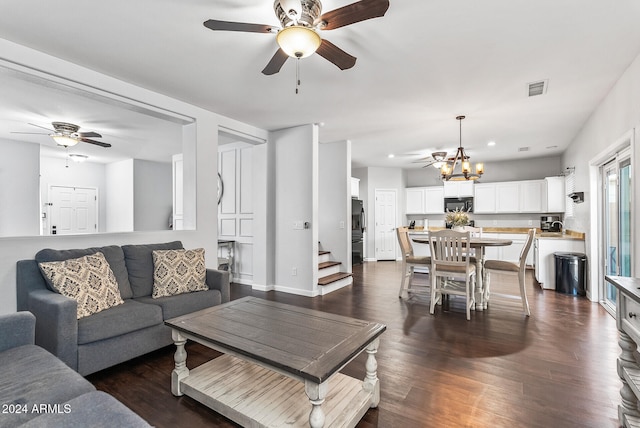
x: 153, y: 195
x: 200, y: 171
x: 119, y: 196
x: 296, y: 181
x: 19, y: 189
x: 334, y: 201
x: 514, y: 170
x: 618, y: 114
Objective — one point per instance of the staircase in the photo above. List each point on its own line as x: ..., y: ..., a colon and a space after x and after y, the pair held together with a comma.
x: 329, y: 276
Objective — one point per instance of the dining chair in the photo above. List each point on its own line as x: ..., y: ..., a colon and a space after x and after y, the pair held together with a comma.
x: 511, y: 268
x: 451, y: 267
x: 476, y: 232
x: 409, y: 262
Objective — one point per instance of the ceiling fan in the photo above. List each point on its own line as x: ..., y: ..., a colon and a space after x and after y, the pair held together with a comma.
x: 301, y: 21
x: 436, y: 159
x: 67, y: 135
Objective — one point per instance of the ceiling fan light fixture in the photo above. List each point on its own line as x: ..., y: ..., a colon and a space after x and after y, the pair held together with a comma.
x: 298, y: 41
x: 64, y: 140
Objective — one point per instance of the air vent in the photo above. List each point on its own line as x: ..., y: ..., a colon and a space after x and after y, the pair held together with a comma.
x: 538, y: 88
x: 523, y: 149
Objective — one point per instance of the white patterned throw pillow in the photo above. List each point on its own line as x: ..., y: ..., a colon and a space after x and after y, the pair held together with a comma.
x: 89, y: 280
x: 178, y: 271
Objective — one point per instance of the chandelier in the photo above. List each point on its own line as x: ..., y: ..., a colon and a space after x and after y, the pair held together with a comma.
x: 448, y: 168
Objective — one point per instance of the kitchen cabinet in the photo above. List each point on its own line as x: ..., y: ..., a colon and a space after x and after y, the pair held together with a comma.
x: 544, y: 260
x: 555, y: 195
x: 415, y: 200
x: 424, y: 200
x: 508, y: 197
x: 355, y: 187
x: 484, y: 200
x: 511, y: 252
x: 458, y: 189
x: 434, y: 200
x: 532, y: 195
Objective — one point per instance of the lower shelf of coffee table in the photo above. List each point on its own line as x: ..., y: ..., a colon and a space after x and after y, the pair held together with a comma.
x: 252, y: 395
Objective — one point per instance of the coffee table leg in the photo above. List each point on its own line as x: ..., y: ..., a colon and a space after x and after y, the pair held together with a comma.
x: 180, y: 357
x: 316, y: 393
x: 371, y: 381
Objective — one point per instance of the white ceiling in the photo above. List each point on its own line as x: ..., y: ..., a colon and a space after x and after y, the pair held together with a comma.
x: 418, y: 67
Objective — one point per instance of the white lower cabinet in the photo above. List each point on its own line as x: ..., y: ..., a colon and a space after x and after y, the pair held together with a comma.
x: 545, y: 262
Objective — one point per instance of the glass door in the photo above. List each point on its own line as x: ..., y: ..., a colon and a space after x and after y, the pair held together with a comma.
x: 616, y: 200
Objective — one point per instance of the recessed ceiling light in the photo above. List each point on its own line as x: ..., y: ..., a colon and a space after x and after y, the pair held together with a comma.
x: 491, y: 143
x: 552, y: 147
x: 391, y: 155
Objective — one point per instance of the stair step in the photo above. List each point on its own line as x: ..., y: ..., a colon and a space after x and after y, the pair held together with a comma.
x: 333, y: 278
x: 322, y: 253
x: 325, y: 265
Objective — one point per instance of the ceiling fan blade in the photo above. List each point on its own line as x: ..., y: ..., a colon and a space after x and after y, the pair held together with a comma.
x: 89, y: 135
x: 38, y: 126
x: 276, y: 63
x: 213, y: 24
x: 97, y: 143
x: 334, y: 54
x: 29, y: 133
x: 355, y: 12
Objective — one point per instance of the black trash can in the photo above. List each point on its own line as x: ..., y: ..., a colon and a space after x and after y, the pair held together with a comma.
x: 571, y: 273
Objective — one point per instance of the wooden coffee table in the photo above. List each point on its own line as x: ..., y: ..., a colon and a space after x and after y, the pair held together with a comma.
x: 278, y: 358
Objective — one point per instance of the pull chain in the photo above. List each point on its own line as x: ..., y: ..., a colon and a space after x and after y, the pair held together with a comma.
x: 297, y: 74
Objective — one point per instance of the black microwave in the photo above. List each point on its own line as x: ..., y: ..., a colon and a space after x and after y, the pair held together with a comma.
x: 461, y: 204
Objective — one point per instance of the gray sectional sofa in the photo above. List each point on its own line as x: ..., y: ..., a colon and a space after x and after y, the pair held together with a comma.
x: 119, y: 333
x: 39, y: 390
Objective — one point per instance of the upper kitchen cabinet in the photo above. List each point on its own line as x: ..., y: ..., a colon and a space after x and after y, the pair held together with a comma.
x: 533, y: 194
x: 415, y: 199
x: 458, y: 189
x: 484, y: 200
x: 508, y: 197
x: 425, y: 200
x: 355, y: 187
x: 434, y: 198
x: 555, y: 202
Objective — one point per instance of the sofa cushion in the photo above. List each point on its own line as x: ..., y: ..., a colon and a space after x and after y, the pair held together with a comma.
x: 178, y: 271
x: 113, y: 254
x: 30, y: 376
x: 174, y: 306
x: 139, y: 262
x: 119, y: 320
x: 89, y: 280
x: 95, y: 409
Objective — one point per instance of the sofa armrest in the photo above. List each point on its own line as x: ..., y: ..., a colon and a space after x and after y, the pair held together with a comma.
x: 17, y: 329
x: 56, y: 324
x: 219, y: 280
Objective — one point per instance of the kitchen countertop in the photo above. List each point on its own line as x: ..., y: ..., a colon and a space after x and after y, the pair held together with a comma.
x: 569, y: 234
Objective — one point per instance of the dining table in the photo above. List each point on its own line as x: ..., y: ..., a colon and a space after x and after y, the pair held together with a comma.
x: 479, y: 243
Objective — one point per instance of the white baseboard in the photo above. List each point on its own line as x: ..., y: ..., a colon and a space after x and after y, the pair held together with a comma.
x: 370, y: 259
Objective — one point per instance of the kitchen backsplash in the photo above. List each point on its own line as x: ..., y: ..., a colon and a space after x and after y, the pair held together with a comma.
x: 482, y: 220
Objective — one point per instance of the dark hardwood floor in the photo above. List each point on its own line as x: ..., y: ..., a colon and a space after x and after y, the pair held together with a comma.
x: 501, y: 369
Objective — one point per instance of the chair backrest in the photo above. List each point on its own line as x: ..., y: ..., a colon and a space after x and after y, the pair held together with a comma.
x: 525, y: 250
x: 449, y: 248
x: 476, y: 232
x: 405, y: 243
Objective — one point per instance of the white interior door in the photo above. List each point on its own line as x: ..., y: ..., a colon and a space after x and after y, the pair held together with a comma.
x: 385, y: 219
x: 73, y: 210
